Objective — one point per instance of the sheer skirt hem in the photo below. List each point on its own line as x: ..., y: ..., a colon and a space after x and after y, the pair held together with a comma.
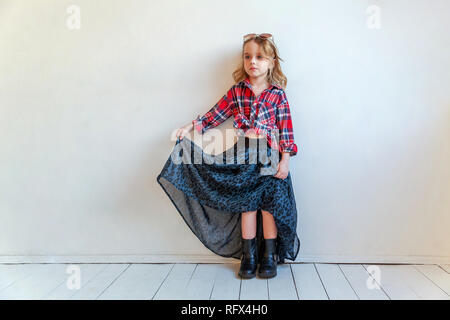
x: 210, y: 198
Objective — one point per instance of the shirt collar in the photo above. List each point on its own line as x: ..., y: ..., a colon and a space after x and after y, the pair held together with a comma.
x: 246, y: 81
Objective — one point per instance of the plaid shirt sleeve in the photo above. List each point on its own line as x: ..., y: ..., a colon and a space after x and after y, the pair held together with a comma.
x: 284, y: 124
x: 220, y: 112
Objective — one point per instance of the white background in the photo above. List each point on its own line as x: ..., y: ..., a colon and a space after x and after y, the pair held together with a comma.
x: 86, y: 118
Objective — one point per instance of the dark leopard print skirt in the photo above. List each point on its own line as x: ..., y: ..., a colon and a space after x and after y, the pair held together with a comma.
x: 211, y: 191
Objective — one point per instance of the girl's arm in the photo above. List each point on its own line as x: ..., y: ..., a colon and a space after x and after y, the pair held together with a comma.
x: 284, y: 123
x: 285, y: 156
x: 220, y: 112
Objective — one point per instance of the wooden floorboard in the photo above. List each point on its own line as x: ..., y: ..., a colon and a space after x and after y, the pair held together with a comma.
x: 201, y: 284
x: 445, y: 267
x: 220, y: 281
x: 335, y: 282
x: 362, y: 282
x: 138, y: 282
x: 254, y: 289
x: 307, y: 282
x: 405, y: 282
x: 10, y: 273
x: 70, y: 287
x: 227, y: 282
x: 100, y: 282
x: 36, y: 284
x: 437, y: 275
x: 282, y: 287
x: 175, y: 284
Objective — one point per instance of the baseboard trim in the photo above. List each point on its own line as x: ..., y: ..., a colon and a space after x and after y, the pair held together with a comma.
x: 375, y: 259
x: 194, y: 258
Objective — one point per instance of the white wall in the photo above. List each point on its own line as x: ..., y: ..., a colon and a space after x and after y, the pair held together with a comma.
x: 86, y: 117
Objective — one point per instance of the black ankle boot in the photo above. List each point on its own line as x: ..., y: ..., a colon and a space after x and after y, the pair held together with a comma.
x: 268, y: 265
x: 249, y: 260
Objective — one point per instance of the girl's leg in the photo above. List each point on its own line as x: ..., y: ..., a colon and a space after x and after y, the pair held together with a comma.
x: 249, y: 259
x: 248, y: 224
x: 268, y: 261
x: 269, y: 226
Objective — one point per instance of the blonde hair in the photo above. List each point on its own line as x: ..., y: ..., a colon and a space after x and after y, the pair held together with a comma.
x: 276, y: 76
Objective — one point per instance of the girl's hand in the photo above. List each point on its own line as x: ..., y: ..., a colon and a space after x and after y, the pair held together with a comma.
x: 184, y: 130
x: 282, y: 169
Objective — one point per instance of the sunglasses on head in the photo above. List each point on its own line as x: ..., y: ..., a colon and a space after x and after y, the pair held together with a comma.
x: 266, y: 36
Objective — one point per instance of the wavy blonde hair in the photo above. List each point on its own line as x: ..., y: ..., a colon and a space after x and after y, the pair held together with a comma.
x: 269, y: 49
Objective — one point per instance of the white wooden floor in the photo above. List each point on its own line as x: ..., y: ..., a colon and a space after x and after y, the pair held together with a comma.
x: 220, y: 281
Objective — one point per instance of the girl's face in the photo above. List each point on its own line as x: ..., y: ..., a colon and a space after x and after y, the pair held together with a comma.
x: 255, y: 64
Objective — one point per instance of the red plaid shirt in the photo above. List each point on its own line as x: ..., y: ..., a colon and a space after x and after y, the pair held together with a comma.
x: 269, y: 115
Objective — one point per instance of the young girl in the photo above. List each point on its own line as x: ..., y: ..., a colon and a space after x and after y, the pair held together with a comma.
x: 213, y: 198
